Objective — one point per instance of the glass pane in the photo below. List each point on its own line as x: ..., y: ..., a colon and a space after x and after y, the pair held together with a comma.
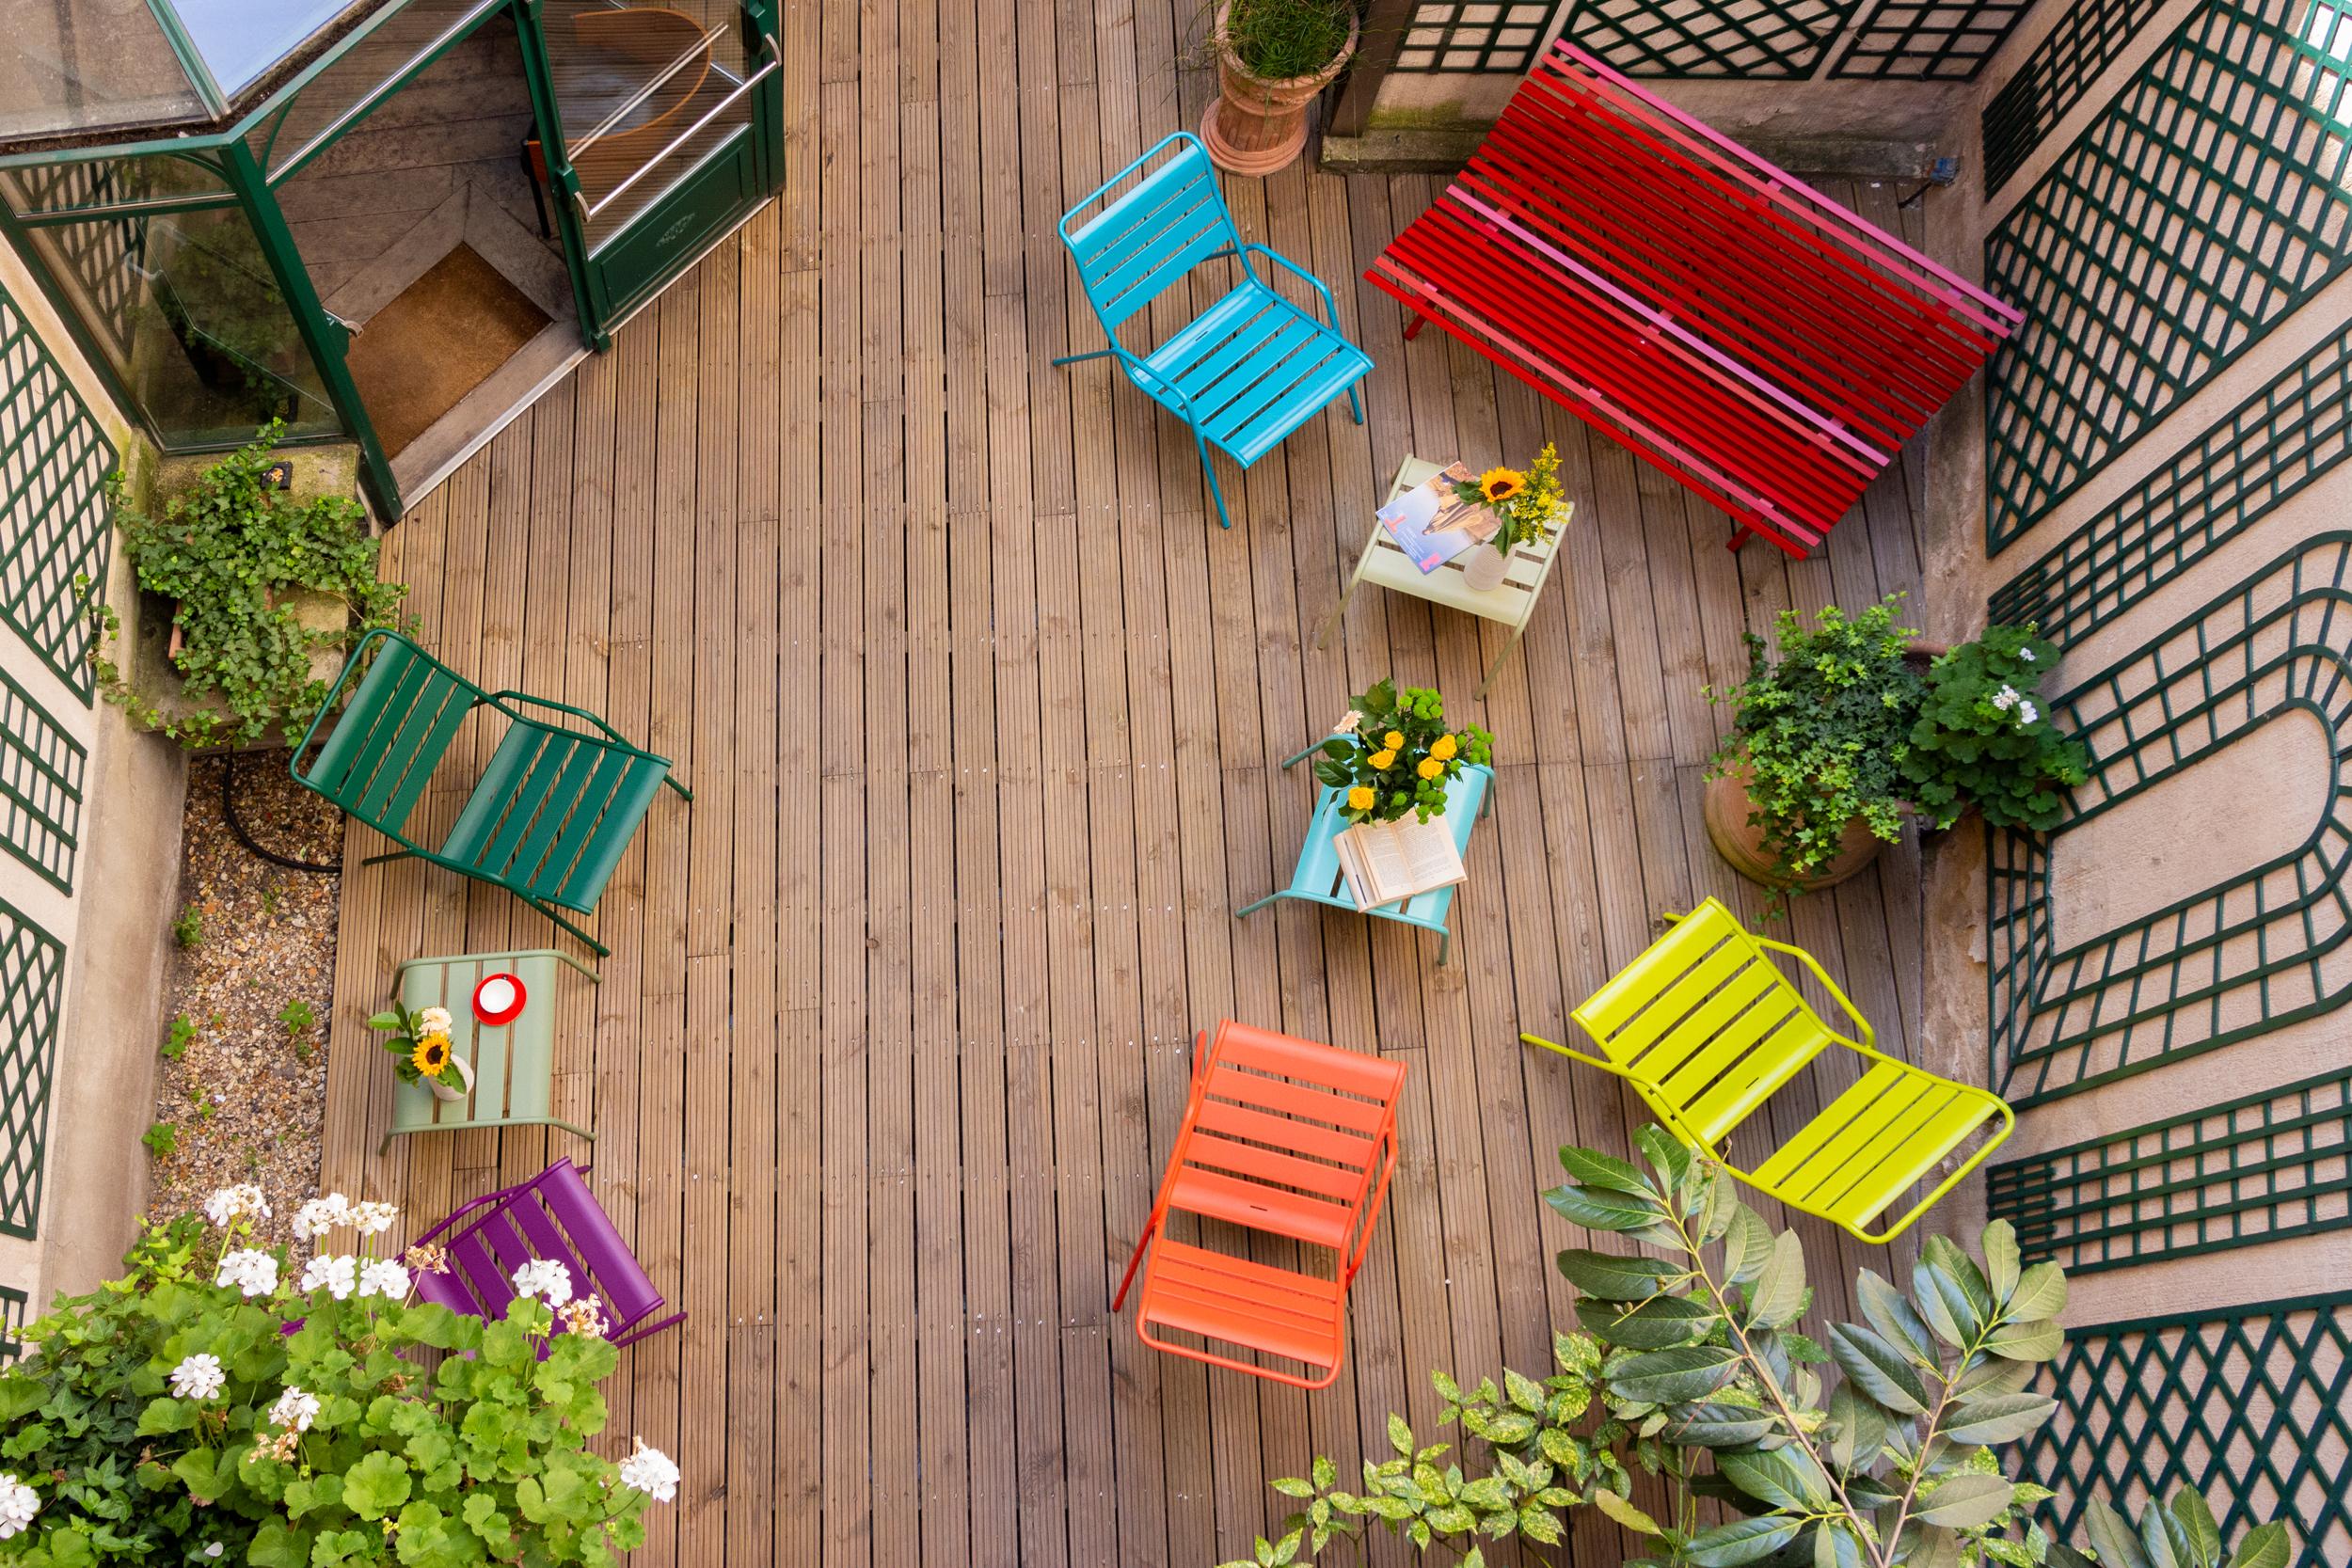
x: 241, y: 38
x: 632, y: 84
x: 348, y: 85
x: 89, y: 65
x: 115, y: 182
x: 185, y: 308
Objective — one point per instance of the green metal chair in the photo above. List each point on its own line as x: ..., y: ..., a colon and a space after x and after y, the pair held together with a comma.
x: 1707, y: 1029
x: 547, y: 821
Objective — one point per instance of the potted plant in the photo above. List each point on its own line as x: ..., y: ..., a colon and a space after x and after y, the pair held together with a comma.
x: 1273, y: 56
x: 1981, y: 741
x: 1527, y: 506
x: 420, y: 1044
x: 1810, y: 780
x: 1395, y: 754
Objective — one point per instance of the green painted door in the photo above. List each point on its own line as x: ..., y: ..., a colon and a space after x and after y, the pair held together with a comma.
x: 661, y: 130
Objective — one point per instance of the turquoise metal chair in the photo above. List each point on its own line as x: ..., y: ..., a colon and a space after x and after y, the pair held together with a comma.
x: 1248, y: 370
x: 1468, y: 798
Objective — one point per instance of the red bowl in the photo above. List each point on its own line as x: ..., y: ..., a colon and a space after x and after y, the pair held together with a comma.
x: 497, y: 987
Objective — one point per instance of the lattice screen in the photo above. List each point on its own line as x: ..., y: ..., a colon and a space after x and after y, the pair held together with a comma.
x: 2251, y: 1406
x: 2219, y: 963
x: 41, y: 786
x: 2061, y: 68
x: 2205, y: 203
x: 1498, y: 35
x: 15, y: 1305
x: 1925, y: 41
x: 32, y: 985
x: 53, y: 522
x: 1710, y: 37
x: 2255, y: 1170
x: 2279, y: 440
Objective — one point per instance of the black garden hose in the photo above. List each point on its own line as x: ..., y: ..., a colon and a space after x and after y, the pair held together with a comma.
x: 228, y: 810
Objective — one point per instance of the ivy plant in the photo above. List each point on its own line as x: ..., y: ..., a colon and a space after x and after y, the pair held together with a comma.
x: 229, y: 552
x: 1983, y: 739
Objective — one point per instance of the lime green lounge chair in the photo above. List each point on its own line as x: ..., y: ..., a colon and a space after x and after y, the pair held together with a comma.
x: 1707, y: 1027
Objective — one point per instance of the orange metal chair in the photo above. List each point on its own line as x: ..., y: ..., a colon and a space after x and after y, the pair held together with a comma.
x: 1284, y: 1136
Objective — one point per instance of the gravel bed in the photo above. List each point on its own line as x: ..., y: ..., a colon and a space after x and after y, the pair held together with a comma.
x: 242, y: 1081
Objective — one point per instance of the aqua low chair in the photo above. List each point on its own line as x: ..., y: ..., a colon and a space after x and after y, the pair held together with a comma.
x: 552, y: 812
x: 1706, y: 1028
x: 1251, y: 367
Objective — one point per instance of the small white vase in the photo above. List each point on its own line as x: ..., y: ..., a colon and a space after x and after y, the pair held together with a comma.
x: 1486, y: 567
x: 442, y: 1091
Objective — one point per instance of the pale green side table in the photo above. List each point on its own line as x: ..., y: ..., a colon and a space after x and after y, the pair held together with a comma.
x: 513, y: 1064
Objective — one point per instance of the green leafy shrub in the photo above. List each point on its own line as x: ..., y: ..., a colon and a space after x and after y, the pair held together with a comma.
x: 188, y: 927
x: 1982, y: 738
x: 231, y: 551
x: 167, y: 1417
x: 1821, y: 735
x: 2179, y: 1534
x: 1277, y: 40
x: 162, y: 1140
x: 1397, y: 755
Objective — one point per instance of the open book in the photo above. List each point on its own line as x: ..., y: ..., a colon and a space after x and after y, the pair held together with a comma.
x: 1385, y: 863
x: 1431, y: 525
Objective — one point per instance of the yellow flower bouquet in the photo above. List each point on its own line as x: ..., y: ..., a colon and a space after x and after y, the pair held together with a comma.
x: 1399, y: 755
x: 1529, y: 505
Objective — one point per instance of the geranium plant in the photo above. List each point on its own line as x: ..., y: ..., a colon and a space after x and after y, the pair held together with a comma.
x: 1528, y: 505
x: 171, y: 1416
x: 420, y: 1044
x: 1982, y: 738
x: 1395, y: 754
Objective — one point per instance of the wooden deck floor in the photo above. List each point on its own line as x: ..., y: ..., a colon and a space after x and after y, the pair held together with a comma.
x: 982, y: 711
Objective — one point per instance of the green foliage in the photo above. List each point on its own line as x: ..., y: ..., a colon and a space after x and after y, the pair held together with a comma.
x: 1399, y: 756
x: 1538, y: 1467
x: 1822, y: 734
x: 162, y: 1140
x: 2179, y: 1534
x: 188, y: 927
x: 297, y: 1016
x: 1982, y: 739
x: 1529, y: 505
x: 418, y: 1040
x: 231, y: 551
x: 176, y: 1043
x: 480, y: 1454
x: 1277, y: 40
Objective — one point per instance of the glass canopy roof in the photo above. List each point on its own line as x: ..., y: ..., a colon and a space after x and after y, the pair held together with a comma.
x: 80, y: 66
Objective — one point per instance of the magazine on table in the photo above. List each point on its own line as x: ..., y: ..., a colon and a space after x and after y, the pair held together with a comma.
x: 1386, y: 863
x: 1431, y: 525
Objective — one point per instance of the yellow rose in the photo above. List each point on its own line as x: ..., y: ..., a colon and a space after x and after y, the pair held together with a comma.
x: 1384, y: 759
x: 1360, y: 798
x: 1393, y: 740
x: 1430, y: 767
x: 1442, y: 747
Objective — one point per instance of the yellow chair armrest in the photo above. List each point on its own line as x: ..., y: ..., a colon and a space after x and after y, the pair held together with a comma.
x: 1869, y: 1037
x: 1652, y: 1094
x: 2008, y: 1125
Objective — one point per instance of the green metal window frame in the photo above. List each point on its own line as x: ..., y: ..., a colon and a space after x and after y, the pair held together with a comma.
x: 1453, y: 37
x: 32, y: 993
x: 2259, y: 1168
x: 2223, y: 963
x: 41, y: 768
x: 15, y: 1307
x: 2279, y: 440
x: 2087, y: 40
x: 1921, y: 40
x: 1713, y: 39
x: 57, y: 532
x: 2208, y: 201
x: 2250, y: 1405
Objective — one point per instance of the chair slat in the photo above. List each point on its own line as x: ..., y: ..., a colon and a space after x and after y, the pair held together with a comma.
x: 610, y: 837
x: 1257, y: 1163
x: 554, y: 750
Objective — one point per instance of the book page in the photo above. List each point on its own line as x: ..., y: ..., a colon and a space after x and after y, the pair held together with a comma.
x: 1402, y: 858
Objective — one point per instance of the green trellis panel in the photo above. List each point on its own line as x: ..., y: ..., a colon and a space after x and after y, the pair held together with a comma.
x: 1925, y: 41
x: 2263, y: 450
x: 2255, y: 1170
x: 1776, y: 39
x: 2200, y: 208
x: 41, y: 786
x: 2250, y: 1405
x: 32, y: 986
x: 2222, y: 963
x: 2060, y: 69
x: 14, y: 1307
x: 54, y: 522
x: 1455, y: 35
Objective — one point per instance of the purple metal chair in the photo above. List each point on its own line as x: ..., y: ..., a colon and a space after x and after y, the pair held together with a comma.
x: 553, y: 1216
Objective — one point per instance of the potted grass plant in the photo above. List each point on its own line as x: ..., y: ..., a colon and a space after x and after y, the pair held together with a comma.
x: 1273, y: 56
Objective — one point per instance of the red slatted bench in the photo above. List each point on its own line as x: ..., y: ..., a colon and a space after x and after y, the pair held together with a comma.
x: 1697, y: 304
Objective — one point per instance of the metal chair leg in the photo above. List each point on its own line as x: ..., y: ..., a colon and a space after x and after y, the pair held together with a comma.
x: 1073, y: 358
x: 1355, y: 403
x: 1247, y: 910
x: 1339, y: 611
x: 1216, y: 491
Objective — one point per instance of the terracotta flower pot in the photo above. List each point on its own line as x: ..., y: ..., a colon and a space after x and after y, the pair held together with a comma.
x: 1258, y: 125
x: 1741, y: 843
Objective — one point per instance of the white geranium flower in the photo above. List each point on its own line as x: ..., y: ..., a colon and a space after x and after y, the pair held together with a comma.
x: 2027, y: 713
x: 322, y: 1215
x: 434, y: 1020
x: 251, y: 1271
x: 650, y: 1471
x: 337, y: 1274
x: 585, y: 1317
x: 373, y: 1219
x: 230, y: 1204
x: 294, y: 1410
x: 544, y: 1279
x: 2005, y: 698
x: 199, y: 1378
x: 384, y: 1277
x: 211, y: 1548
x: 2027, y: 654
x: 18, y: 1504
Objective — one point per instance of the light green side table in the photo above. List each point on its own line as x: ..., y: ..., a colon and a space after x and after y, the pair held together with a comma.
x: 1512, y: 602
x: 513, y: 1064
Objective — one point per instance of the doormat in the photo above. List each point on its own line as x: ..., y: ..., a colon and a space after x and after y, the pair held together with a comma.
x: 438, y: 339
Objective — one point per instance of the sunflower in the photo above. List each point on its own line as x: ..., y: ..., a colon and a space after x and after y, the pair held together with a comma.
x: 1500, y: 484
x: 431, y: 1055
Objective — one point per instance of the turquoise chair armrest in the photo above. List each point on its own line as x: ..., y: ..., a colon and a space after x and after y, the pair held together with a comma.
x: 1331, y: 307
